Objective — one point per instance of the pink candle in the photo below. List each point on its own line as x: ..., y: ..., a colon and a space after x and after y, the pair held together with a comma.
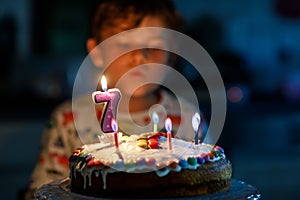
x: 114, y: 126
x: 111, y: 98
x: 168, y: 125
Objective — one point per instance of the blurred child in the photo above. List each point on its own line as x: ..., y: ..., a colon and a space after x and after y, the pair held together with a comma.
x: 60, y: 138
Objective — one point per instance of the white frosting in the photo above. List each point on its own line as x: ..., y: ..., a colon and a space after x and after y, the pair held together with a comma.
x: 131, y: 158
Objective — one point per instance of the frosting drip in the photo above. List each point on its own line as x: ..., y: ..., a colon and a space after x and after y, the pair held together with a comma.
x: 133, y: 158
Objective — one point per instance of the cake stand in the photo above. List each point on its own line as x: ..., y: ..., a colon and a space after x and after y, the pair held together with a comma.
x: 60, y: 190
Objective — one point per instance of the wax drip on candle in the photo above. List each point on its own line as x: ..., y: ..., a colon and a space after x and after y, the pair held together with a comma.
x: 114, y: 126
x: 155, y: 120
x: 168, y: 125
x: 196, y: 120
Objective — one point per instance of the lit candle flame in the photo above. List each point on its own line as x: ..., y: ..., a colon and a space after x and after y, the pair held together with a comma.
x: 168, y: 124
x: 196, y: 121
x: 114, y: 125
x: 155, y: 118
x: 103, y: 83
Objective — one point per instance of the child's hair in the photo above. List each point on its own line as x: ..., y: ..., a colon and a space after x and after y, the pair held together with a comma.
x: 109, y: 12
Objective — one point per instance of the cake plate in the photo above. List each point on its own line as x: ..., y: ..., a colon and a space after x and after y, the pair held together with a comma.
x: 60, y: 190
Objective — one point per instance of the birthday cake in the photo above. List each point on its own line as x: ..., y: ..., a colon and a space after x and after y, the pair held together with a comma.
x: 144, y: 166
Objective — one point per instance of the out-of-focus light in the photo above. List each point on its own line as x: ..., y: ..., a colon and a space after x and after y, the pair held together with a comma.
x: 291, y: 87
x: 235, y: 94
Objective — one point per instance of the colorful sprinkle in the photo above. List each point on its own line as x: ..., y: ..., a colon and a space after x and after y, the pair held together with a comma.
x: 88, y: 157
x: 164, y: 134
x: 153, y: 143
x: 172, y: 164
x: 216, y: 153
x: 142, y: 143
x: 211, y: 155
x: 140, y: 162
x: 77, y: 151
x: 183, y: 163
x: 204, y: 156
x: 98, y: 163
x: 125, y: 138
x: 160, y: 165
x: 81, y: 155
x: 192, y: 160
x: 129, y: 164
x: 150, y: 161
x: 200, y: 160
x: 219, y: 149
x: 119, y: 165
x: 91, y: 163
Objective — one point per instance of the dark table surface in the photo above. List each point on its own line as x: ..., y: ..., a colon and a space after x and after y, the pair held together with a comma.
x: 60, y: 189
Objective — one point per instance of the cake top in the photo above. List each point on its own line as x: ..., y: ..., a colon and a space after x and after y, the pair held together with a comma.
x: 144, y: 153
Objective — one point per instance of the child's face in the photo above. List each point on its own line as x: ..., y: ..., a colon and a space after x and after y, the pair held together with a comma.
x: 141, y: 57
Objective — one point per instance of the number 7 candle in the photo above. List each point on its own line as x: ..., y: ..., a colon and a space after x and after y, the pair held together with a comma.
x: 110, y: 98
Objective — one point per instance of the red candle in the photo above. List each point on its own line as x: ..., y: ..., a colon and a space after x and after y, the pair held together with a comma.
x: 114, y: 126
x: 110, y: 98
x: 168, y: 125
